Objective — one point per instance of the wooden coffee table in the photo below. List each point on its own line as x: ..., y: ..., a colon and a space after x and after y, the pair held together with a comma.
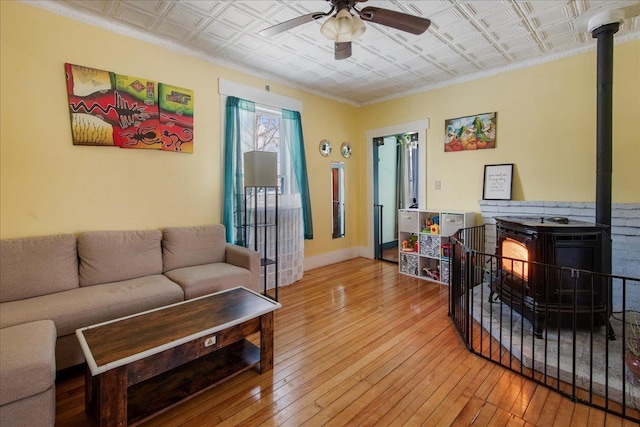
x: 141, y: 365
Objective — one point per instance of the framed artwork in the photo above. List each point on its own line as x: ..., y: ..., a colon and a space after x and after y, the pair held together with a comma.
x: 498, y: 182
x: 109, y: 109
x: 470, y: 133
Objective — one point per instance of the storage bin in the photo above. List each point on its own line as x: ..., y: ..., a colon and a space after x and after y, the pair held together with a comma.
x: 408, y: 221
x: 450, y: 223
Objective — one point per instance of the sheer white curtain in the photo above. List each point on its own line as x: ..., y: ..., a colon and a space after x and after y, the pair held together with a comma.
x: 290, y: 237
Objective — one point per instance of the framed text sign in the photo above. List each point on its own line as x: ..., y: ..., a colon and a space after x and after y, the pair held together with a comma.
x: 498, y: 182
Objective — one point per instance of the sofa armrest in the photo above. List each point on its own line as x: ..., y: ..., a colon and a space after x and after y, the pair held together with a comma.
x: 245, y: 258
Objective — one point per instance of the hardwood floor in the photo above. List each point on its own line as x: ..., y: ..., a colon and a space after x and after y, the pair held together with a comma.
x: 358, y: 344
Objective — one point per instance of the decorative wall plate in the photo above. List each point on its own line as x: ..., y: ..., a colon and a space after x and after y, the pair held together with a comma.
x: 345, y: 149
x: 325, y: 147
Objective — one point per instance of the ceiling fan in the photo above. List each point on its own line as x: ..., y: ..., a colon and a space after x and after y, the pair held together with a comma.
x: 343, y: 26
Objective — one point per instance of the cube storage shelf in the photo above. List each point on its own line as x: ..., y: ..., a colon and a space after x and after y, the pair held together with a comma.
x: 430, y: 229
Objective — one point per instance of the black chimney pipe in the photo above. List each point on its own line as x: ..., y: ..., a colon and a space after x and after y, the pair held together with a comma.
x: 604, y: 35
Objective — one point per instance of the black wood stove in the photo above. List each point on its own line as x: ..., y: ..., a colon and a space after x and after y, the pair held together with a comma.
x: 527, y: 246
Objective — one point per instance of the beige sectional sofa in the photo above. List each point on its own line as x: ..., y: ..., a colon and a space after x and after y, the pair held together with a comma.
x: 27, y: 377
x: 76, y: 281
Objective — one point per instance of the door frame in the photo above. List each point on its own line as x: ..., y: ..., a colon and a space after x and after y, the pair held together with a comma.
x: 421, y: 127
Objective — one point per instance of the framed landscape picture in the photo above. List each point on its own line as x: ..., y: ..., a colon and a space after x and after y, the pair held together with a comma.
x: 470, y: 133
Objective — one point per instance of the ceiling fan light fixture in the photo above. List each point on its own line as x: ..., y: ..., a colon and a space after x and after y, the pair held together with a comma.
x: 343, y: 21
x: 328, y: 28
x: 344, y: 27
x: 358, y: 27
x: 342, y: 38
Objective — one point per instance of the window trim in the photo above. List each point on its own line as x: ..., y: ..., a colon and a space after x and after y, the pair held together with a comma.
x: 273, y: 100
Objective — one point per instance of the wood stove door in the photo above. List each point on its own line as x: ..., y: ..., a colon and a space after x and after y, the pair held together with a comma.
x: 586, y: 291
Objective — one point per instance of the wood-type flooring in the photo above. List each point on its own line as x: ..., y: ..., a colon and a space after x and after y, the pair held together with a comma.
x: 357, y: 344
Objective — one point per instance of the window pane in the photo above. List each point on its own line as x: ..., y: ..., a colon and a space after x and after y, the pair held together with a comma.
x: 268, y: 133
x: 267, y: 138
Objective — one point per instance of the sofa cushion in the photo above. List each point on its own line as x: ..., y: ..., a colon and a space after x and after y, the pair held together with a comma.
x: 27, y: 357
x: 34, y: 411
x: 86, y: 306
x: 34, y: 266
x: 189, y: 246
x: 112, y: 256
x: 205, y: 279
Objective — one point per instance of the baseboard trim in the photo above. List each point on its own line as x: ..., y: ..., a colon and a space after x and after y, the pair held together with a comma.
x: 332, y: 257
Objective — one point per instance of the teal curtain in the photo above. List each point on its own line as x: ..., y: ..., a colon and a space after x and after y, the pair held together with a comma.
x: 240, y: 124
x: 292, y: 137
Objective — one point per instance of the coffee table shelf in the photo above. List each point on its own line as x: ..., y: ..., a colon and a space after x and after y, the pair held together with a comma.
x: 171, y: 388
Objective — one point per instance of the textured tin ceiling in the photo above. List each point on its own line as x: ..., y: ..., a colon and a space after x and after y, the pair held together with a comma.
x: 466, y: 40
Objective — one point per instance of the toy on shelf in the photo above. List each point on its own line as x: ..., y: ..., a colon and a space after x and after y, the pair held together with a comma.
x: 410, y: 245
x: 446, y: 251
x: 429, y: 223
x: 435, y: 229
x: 432, y: 273
x: 413, y: 240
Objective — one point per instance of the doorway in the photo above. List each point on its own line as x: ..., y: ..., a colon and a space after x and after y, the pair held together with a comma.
x: 395, y: 175
x: 382, y: 162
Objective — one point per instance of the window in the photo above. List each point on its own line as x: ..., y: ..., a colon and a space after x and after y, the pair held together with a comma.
x: 281, y: 132
x: 249, y: 126
x: 407, y: 170
x: 412, y: 164
x: 267, y: 138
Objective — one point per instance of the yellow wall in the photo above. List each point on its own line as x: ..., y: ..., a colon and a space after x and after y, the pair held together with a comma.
x: 49, y: 186
x: 546, y: 126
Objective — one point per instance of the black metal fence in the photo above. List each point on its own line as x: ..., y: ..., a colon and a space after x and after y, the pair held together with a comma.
x: 577, y: 352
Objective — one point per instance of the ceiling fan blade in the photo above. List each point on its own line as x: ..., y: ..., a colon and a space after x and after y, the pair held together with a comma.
x: 398, y: 20
x: 292, y: 23
x: 343, y: 50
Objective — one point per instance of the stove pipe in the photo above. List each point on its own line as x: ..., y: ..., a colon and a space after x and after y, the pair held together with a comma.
x: 604, y: 35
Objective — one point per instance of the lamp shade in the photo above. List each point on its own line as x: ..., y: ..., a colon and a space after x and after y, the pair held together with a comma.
x: 328, y: 29
x: 344, y: 21
x: 342, y: 38
x: 358, y: 28
x: 260, y: 169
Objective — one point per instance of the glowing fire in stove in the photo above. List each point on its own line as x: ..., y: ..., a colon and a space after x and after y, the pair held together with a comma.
x: 516, y: 250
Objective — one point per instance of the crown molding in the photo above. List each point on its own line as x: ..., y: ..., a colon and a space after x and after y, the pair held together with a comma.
x: 507, y: 68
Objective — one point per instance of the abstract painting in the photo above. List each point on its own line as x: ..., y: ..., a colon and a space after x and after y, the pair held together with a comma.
x: 117, y: 110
